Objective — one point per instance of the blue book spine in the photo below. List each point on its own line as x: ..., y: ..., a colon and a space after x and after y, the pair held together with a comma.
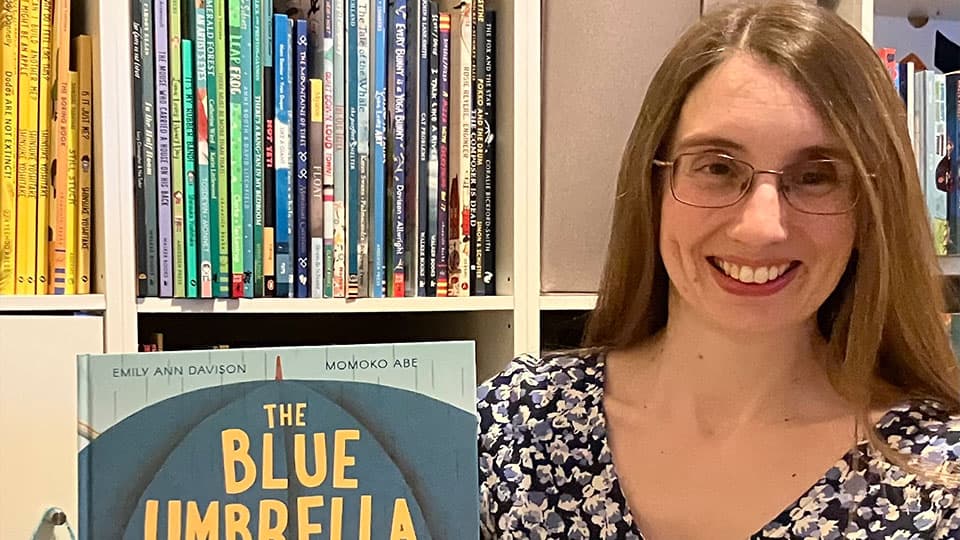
x: 379, y: 159
x: 164, y: 177
x: 302, y: 234
x: 397, y: 125
x: 283, y: 150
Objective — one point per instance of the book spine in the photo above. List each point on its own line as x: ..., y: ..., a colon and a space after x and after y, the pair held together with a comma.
x: 443, y: 158
x: 489, y: 157
x: 952, y: 108
x: 269, y: 176
x: 72, y: 174
x: 378, y: 158
x: 220, y: 58
x: 44, y: 148
x: 282, y: 152
x: 257, y: 82
x: 460, y: 185
x: 339, y: 151
x: 203, y: 181
x: 315, y: 121
x: 84, y: 51
x: 189, y: 172
x: 59, y: 149
x: 353, y: 151
x: 10, y: 69
x: 28, y: 133
x: 139, y: 199
x: 477, y: 196
x: 246, y: 119
x: 236, y: 148
x: 328, y: 149
x: 164, y: 179
x: 150, y: 201
x: 396, y: 130
x: 433, y: 153
x: 417, y: 53
x: 935, y: 134
x: 302, y: 194
x: 176, y: 149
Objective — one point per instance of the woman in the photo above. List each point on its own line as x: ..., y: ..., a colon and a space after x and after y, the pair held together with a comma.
x: 767, y: 357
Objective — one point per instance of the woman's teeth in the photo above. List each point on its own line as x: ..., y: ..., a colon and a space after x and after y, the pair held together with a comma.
x: 749, y: 274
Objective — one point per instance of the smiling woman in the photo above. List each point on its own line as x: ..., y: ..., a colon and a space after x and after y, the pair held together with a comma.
x: 766, y: 358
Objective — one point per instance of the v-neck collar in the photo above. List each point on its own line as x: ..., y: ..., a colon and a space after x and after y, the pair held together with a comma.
x: 862, y: 452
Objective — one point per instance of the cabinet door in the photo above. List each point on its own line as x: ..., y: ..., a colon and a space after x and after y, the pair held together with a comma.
x: 38, y: 415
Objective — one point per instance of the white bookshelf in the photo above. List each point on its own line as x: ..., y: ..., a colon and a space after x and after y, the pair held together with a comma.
x: 49, y: 303
x: 331, y: 305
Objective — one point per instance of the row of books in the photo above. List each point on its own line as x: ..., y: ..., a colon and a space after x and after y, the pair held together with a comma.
x: 933, y: 122
x: 325, y: 148
x: 46, y: 140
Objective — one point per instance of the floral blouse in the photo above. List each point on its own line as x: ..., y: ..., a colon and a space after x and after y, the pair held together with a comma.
x: 546, y: 470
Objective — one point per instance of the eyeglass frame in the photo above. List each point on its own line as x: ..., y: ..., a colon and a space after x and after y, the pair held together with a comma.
x: 749, y: 182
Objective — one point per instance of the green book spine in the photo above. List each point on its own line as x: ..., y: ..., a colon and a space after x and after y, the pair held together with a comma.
x: 236, y: 149
x: 176, y: 150
x: 223, y: 154
x: 204, y: 238
x: 189, y: 169
x: 258, y: 136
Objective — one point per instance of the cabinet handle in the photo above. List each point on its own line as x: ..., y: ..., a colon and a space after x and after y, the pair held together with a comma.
x: 54, y: 526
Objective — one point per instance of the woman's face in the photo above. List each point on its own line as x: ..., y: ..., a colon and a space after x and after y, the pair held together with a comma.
x: 759, y: 264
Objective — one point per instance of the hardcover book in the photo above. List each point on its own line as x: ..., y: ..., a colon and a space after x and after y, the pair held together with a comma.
x: 361, y: 441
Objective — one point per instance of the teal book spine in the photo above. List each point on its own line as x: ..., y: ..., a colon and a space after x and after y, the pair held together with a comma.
x: 246, y: 126
x: 202, y: 111
x: 176, y: 149
x: 189, y: 172
x: 257, y: 33
x: 220, y: 52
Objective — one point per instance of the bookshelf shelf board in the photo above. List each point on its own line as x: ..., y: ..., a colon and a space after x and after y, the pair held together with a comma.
x: 333, y: 305
x: 70, y: 302
x: 568, y: 302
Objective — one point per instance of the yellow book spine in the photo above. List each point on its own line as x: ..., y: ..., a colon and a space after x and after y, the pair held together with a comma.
x: 43, y: 147
x: 83, y: 48
x: 9, y: 81
x: 72, y: 207
x: 27, y: 135
x: 58, y: 148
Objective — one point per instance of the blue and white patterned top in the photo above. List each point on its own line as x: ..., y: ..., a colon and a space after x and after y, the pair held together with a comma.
x: 546, y: 470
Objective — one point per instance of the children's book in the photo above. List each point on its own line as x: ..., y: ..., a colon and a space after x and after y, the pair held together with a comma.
x: 348, y: 442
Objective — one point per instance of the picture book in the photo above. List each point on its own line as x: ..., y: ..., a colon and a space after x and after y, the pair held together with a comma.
x: 346, y: 442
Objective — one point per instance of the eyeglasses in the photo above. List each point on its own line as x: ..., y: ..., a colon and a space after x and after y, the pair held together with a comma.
x: 714, y: 180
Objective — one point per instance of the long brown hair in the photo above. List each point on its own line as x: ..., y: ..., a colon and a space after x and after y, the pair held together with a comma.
x: 883, y: 321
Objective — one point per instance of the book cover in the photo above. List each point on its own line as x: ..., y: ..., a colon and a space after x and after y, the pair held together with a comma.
x: 363, y: 441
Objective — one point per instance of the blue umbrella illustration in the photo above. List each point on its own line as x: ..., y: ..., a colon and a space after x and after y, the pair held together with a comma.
x: 374, y: 466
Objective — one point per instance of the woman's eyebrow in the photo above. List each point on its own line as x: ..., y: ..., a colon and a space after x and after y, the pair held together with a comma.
x: 723, y: 143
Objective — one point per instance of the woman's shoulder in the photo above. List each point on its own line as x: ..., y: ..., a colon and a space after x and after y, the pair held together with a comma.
x: 926, y: 430
x: 537, y: 382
